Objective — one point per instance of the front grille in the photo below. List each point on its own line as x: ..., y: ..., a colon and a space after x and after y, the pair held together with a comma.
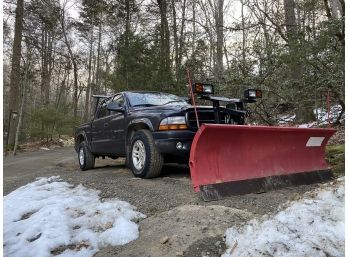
x: 204, y: 116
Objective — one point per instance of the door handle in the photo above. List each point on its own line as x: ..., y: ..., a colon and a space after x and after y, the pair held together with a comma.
x: 106, y: 125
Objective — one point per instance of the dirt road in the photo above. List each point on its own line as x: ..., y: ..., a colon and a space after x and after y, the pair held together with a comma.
x: 193, y: 227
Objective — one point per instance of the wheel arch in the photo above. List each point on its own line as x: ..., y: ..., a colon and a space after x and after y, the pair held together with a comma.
x: 135, y: 125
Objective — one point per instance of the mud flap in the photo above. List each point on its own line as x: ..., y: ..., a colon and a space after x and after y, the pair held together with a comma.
x: 234, y: 159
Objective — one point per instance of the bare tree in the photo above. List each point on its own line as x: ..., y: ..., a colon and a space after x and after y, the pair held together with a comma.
x: 71, y: 54
x: 25, y: 85
x: 165, y: 37
x: 290, y: 21
x: 88, y: 88
x: 219, y: 23
x: 15, y: 73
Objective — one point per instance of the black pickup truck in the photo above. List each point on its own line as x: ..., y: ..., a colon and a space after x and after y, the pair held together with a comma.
x: 150, y: 128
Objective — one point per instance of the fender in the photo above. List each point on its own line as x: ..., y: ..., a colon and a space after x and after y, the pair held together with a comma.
x: 140, y: 121
x: 134, y: 123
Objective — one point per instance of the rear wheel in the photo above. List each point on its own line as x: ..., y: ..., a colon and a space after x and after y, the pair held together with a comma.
x: 85, y: 157
x: 143, y: 157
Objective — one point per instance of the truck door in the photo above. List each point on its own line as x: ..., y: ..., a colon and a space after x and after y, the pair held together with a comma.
x: 116, y: 129
x: 99, y: 128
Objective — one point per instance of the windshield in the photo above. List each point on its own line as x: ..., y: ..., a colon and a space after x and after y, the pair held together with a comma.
x: 154, y: 99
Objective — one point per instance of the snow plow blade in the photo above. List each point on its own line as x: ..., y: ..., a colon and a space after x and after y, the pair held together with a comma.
x: 230, y: 160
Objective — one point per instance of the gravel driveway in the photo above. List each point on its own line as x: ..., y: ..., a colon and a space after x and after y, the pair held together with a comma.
x: 164, y: 200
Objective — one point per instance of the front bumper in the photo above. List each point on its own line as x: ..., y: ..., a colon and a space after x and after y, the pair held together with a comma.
x: 166, y: 142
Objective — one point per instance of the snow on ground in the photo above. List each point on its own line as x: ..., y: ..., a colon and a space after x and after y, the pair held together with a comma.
x: 320, y: 113
x: 313, y: 226
x: 286, y: 119
x: 308, y: 125
x: 50, y: 217
x: 323, y: 116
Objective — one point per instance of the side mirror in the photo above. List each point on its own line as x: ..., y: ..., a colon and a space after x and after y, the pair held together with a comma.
x: 114, y: 106
x: 186, y: 99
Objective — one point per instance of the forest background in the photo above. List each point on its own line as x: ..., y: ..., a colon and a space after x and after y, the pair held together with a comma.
x: 59, y: 53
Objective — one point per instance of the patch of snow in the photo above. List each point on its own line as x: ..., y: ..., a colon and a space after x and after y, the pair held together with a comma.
x: 309, y: 125
x: 323, y: 116
x: 44, y: 148
x: 313, y: 226
x: 50, y: 217
x: 286, y: 119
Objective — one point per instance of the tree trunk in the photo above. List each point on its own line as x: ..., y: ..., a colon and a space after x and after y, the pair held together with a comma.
x: 20, y: 118
x: 88, y: 89
x: 97, y: 75
x: 47, y: 62
x: 62, y: 88
x: 164, y: 45
x: 219, y: 25
x: 290, y: 21
x: 327, y: 8
x: 127, y: 34
x: 181, y: 40
x: 176, y: 43
x: 193, y: 27
x: 73, y: 60
x: 75, y: 98
x: 15, y: 76
x: 244, y: 71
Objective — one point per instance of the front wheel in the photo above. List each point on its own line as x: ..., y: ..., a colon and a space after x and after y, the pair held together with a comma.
x: 85, y: 157
x: 144, y: 159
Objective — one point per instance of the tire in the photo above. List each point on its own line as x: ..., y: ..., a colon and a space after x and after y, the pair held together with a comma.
x: 85, y: 158
x: 143, y: 157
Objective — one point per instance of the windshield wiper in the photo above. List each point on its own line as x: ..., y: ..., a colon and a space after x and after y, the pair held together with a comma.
x: 174, y: 101
x: 146, y: 105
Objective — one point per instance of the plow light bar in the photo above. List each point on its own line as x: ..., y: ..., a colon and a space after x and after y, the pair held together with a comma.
x: 252, y: 93
x: 173, y: 123
x: 203, y: 89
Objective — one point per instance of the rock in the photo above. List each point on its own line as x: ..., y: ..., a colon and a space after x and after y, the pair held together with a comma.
x: 217, y: 244
x: 179, y: 253
x: 164, y: 240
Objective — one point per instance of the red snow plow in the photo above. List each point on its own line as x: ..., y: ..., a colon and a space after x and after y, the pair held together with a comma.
x: 228, y: 159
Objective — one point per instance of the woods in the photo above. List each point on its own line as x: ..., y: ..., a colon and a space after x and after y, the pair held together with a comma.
x: 58, y: 53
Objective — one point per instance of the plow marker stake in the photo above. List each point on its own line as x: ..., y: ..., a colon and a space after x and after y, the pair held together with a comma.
x: 234, y: 159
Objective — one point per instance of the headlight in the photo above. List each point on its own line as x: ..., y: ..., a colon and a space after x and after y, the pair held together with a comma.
x: 203, y: 89
x: 252, y: 93
x: 170, y: 123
